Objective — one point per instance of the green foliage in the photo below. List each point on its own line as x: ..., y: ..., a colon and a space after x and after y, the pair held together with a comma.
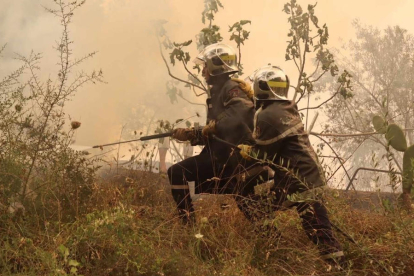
x: 408, y: 169
x: 379, y: 124
x: 172, y: 91
x: 38, y: 169
x: 345, y: 88
x: 239, y: 35
x: 211, y: 7
x: 301, y: 24
x: 396, y: 138
x: 208, y: 36
x: 133, y: 231
x: 307, y: 38
x: 179, y: 54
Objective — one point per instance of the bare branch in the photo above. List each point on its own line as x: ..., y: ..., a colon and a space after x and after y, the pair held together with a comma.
x: 339, y: 158
x: 316, y: 107
x: 320, y: 76
x: 195, y: 77
x: 78, y: 61
x: 316, y: 69
x: 345, y: 134
x: 169, y: 71
x: 346, y: 160
x: 190, y: 101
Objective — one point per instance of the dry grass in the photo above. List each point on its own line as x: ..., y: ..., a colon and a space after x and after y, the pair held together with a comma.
x: 131, y: 229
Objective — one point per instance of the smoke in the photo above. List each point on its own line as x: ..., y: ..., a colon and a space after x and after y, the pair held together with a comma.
x: 122, y: 33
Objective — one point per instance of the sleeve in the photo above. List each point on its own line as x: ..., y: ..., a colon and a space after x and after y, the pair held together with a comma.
x: 268, y: 150
x: 274, y: 126
x: 235, y: 123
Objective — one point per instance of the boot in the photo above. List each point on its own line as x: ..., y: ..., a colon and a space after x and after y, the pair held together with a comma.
x: 336, y: 260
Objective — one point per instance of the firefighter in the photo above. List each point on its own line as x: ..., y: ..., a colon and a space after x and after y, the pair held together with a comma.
x: 217, y: 169
x: 298, y: 177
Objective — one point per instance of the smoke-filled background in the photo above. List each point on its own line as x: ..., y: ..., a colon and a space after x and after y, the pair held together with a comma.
x: 122, y: 32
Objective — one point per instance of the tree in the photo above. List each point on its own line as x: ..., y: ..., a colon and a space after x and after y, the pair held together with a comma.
x: 381, y: 63
x: 178, y: 51
x: 34, y: 134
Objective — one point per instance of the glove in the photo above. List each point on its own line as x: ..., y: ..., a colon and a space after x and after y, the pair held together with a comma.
x: 209, y: 129
x: 183, y: 134
x: 245, y: 151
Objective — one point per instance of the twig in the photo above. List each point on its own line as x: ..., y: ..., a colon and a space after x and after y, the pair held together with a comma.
x: 316, y: 107
x: 339, y: 159
x: 344, y: 135
x: 169, y: 71
x: 195, y: 77
x: 181, y: 96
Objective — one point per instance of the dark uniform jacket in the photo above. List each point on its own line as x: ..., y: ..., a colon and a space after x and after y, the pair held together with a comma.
x: 280, y: 136
x: 233, y: 111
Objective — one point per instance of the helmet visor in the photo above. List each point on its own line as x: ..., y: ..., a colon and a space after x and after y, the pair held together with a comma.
x: 270, y: 82
x: 220, y: 58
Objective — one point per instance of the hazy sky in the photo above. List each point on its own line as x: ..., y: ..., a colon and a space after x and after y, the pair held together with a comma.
x: 120, y: 30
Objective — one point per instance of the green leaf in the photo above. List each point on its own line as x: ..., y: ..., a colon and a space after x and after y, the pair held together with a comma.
x: 287, y: 57
x: 234, y: 26
x: 244, y: 22
x: 314, y: 20
x: 187, y: 57
x: 172, y: 59
x: 73, y: 263
x: 408, y: 169
x: 63, y: 250
x: 187, y: 43
x: 379, y: 124
x: 396, y: 137
x: 299, y: 10
x: 286, y: 8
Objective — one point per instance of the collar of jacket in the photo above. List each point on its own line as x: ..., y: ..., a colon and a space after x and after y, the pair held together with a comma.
x: 218, y: 83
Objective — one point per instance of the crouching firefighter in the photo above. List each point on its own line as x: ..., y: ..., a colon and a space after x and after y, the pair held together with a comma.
x: 217, y: 169
x: 298, y: 179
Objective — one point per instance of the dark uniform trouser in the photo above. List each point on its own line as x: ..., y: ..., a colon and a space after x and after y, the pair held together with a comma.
x: 209, y: 176
x: 313, y: 215
x: 318, y: 228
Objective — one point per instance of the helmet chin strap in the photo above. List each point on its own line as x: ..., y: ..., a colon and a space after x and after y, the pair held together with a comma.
x: 255, y: 120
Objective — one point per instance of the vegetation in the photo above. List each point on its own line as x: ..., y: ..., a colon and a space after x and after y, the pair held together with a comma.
x: 131, y: 229
x: 57, y: 217
x: 380, y: 62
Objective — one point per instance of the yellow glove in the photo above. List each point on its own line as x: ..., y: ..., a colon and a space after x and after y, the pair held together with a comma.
x: 183, y: 134
x: 209, y: 129
x: 245, y: 151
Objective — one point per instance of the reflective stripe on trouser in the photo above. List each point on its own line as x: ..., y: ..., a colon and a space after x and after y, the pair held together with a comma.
x: 181, y: 195
x: 334, y: 255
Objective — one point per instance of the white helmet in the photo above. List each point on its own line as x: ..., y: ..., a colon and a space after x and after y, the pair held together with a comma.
x: 219, y: 59
x: 270, y: 83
